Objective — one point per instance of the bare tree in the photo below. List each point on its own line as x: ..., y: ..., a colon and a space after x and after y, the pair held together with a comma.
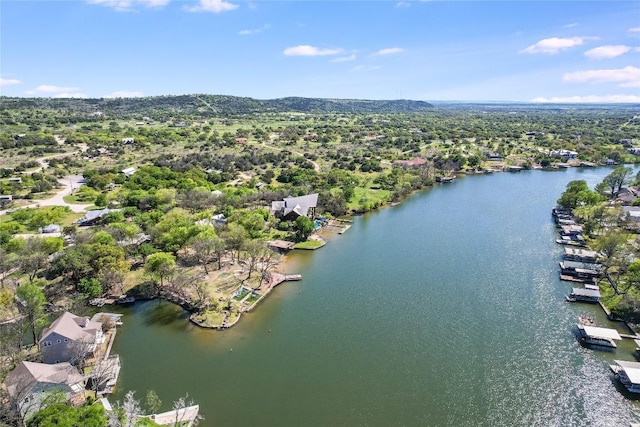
x: 131, y: 409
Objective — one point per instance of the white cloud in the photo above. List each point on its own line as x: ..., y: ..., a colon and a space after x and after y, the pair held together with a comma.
x: 9, y: 82
x: 573, y: 24
x: 556, y: 44
x: 306, y: 50
x: 214, y: 6
x: 403, y: 4
x: 610, y: 51
x: 345, y: 58
x: 129, y: 5
x: 634, y: 30
x: 51, y: 89
x: 124, y: 94
x: 389, y: 51
x: 589, y: 98
x: 626, y: 77
x: 254, y: 30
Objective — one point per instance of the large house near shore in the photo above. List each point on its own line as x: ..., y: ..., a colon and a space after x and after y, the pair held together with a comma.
x: 30, y: 384
x: 292, y: 207
x: 70, y: 338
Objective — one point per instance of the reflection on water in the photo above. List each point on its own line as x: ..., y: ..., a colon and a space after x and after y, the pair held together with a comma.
x: 444, y: 310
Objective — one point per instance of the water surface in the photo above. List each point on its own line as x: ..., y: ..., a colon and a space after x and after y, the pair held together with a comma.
x: 443, y: 311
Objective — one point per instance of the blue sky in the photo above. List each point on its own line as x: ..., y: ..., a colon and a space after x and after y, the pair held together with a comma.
x: 541, y: 51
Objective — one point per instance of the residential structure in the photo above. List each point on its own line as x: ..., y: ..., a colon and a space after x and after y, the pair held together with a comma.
x: 30, y: 384
x: 292, y: 207
x: 70, y: 338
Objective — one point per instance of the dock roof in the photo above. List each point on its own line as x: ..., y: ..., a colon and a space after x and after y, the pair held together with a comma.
x: 591, y: 293
x: 632, y: 369
x: 584, y: 253
x: 597, y: 332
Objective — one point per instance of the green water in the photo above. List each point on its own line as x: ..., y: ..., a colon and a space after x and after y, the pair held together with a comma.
x: 443, y: 311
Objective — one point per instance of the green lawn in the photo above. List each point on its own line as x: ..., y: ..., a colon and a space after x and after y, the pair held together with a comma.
x: 368, y: 197
x: 309, y: 244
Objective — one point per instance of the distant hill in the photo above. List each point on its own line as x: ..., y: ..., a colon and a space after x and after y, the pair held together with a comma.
x: 205, y: 105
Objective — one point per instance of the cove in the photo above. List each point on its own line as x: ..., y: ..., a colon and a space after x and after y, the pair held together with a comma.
x: 444, y: 310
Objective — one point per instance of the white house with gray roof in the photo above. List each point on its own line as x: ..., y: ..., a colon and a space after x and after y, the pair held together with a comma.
x: 70, y: 338
x: 30, y: 384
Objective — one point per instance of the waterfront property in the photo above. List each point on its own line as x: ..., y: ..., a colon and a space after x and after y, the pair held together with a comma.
x: 603, y: 337
x: 70, y: 338
x: 292, y: 207
x: 580, y: 255
x: 584, y: 295
x: 30, y: 384
x: 628, y: 373
x: 580, y: 269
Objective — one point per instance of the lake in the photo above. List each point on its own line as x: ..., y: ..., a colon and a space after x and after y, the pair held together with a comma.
x: 445, y: 310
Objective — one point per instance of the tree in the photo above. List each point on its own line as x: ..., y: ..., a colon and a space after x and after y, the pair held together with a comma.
x: 304, y: 227
x: 254, y: 250
x: 204, y: 247
x: 234, y: 236
x: 32, y: 301
x: 576, y: 194
x: 614, y: 182
x: 153, y: 402
x: 160, y: 266
x: 33, y: 257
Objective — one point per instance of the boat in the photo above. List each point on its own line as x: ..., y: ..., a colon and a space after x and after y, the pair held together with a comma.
x: 125, y: 300
x: 583, y: 295
x: 602, y: 337
x: 628, y: 373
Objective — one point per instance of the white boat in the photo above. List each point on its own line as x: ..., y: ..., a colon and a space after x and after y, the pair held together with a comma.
x: 603, y: 337
x: 628, y: 373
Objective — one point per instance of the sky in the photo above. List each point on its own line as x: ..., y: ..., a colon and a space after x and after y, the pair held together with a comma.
x: 542, y: 51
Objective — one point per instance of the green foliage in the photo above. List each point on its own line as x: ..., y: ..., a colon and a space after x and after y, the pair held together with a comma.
x: 576, y: 194
x: 33, y: 218
x: 91, y: 287
x: 304, y: 227
x: 101, y: 200
x: 160, y: 266
x: 62, y: 415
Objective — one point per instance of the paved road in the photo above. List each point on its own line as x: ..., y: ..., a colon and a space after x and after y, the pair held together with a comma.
x: 69, y: 184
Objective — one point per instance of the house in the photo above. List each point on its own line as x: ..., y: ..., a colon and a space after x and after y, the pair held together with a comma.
x: 632, y: 213
x: 627, y: 195
x: 564, y: 154
x: 493, y: 156
x: 70, y: 338
x: 241, y: 140
x: 30, y: 383
x: 128, y: 140
x: 6, y: 197
x: 93, y: 217
x: 51, y: 228
x: 16, y: 180
x: 128, y: 171
x: 610, y: 162
x: 215, y: 219
x: 292, y: 207
x: 635, y: 151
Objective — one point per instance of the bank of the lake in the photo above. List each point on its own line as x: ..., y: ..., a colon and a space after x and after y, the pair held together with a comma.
x: 444, y: 310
